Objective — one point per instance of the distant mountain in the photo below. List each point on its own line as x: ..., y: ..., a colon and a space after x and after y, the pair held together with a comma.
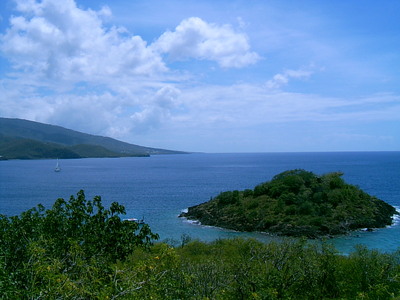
x: 23, y: 139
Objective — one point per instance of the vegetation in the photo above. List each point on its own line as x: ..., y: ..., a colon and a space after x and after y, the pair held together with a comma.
x: 296, y: 203
x: 25, y: 139
x: 80, y: 250
x: 20, y: 148
x: 63, y: 248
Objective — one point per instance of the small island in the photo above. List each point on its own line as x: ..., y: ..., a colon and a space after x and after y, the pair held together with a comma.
x: 296, y: 203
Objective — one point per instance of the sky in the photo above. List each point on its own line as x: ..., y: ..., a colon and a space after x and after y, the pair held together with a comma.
x: 206, y: 75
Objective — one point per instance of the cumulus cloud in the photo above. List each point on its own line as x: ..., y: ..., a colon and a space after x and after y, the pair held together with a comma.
x: 195, y: 38
x: 89, y: 113
x: 158, y: 109
x: 56, y: 39
x: 70, y: 66
x: 71, y: 70
x: 282, y: 79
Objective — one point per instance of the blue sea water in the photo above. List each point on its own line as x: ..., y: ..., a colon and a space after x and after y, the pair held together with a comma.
x: 158, y: 188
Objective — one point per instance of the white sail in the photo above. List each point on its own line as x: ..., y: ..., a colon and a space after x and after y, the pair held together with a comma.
x: 57, y: 168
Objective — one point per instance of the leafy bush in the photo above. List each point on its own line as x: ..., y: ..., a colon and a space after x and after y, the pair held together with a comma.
x: 228, y: 197
x: 248, y: 269
x: 41, y: 248
x: 80, y: 250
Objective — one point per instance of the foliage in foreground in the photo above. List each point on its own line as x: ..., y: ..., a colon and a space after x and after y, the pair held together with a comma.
x: 51, y: 252
x: 296, y: 203
x: 80, y: 250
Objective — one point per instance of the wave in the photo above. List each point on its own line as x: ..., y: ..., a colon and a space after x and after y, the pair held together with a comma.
x: 186, y: 220
x: 193, y: 222
x: 396, y: 218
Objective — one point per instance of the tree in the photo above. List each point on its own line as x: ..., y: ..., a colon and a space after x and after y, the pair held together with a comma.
x: 74, y: 237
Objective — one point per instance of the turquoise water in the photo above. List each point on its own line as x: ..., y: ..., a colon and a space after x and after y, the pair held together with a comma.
x: 158, y: 188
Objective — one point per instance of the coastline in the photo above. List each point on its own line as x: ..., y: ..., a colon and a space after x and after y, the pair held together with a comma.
x: 395, y: 222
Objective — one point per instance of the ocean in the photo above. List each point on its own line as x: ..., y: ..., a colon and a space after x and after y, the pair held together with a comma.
x: 159, y: 187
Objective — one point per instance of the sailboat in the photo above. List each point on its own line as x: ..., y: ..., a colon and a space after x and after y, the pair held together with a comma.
x: 57, y: 168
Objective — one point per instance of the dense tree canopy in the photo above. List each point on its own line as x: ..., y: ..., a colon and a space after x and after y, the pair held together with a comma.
x: 73, y: 236
x: 80, y: 250
x: 297, y: 203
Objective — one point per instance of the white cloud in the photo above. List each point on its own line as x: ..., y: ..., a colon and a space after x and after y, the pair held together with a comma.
x: 157, y: 110
x: 248, y: 105
x: 58, y: 40
x: 167, y: 97
x: 103, y: 113
x: 280, y: 80
x: 72, y: 68
x: 195, y: 38
x: 89, y: 113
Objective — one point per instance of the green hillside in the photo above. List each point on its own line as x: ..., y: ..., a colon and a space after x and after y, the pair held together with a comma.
x: 19, y: 148
x: 96, y: 151
x: 296, y: 203
x: 27, y: 139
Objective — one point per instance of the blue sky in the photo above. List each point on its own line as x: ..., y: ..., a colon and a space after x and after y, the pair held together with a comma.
x: 210, y: 76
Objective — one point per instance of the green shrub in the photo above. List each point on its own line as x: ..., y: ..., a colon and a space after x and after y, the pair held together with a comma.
x: 47, y: 254
x: 50, y: 252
